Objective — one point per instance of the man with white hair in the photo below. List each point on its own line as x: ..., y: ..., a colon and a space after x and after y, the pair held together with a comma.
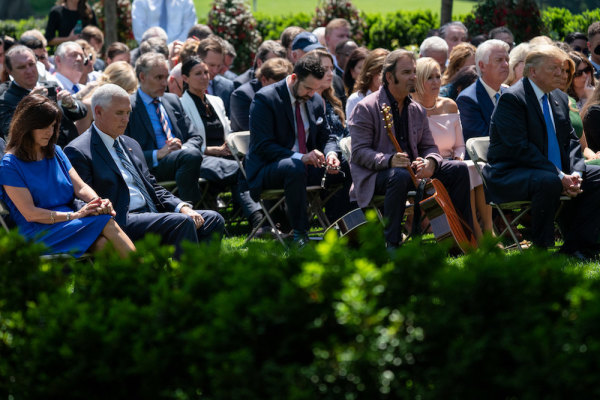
x: 113, y: 164
x: 476, y: 103
x: 535, y: 155
x: 436, y: 48
x: 69, y: 60
x: 453, y: 33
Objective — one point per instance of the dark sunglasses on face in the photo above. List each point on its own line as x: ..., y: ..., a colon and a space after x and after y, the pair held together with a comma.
x: 579, y: 72
x: 584, y: 50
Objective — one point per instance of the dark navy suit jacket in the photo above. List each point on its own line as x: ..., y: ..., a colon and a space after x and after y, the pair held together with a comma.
x: 519, y: 142
x: 241, y: 99
x: 222, y: 87
x: 140, y: 127
x: 272, y: 130
x: 92, y: 161
x: 476, y: 108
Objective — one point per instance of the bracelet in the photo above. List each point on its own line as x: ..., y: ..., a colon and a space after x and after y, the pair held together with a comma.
x: 52, y: 215
x: 69, y: 216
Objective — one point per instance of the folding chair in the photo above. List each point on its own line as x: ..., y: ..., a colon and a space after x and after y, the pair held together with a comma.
x: 3, y: 214
x: 478, y: 149
x: 239, y: 143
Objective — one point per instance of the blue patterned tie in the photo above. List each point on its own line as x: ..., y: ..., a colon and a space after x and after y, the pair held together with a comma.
x: 134, y: 174
x: 553, y: 149
x: 497, y: 97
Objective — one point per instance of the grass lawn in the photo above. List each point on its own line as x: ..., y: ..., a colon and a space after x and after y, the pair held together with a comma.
x: 278, y: 7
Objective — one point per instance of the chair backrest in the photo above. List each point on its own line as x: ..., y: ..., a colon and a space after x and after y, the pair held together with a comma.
x: 3, y: 213
x: 478, y: 148
x: 346, y: 147
x: 239, y: 142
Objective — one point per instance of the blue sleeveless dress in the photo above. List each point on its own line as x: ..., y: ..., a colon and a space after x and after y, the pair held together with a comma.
x: 51, y: 188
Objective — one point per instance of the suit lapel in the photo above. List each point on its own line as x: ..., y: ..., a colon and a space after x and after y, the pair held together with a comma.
x: 312, y: 123
x: 487, y: 106
x: 531, y: 98
x: 145, y: 118
x: 287, y: 104
x: 101, y: 149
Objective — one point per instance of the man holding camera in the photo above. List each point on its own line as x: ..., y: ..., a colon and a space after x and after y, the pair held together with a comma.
x: 21, y: 65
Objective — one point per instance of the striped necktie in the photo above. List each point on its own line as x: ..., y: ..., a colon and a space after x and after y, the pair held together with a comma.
x: 163, y: 119
x: 134, y: 174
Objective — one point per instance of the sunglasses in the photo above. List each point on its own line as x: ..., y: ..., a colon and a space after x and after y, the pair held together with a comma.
x: 579, y: 72
x: 584, y: 50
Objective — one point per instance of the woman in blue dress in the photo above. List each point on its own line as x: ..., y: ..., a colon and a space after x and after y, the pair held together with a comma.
x: 39, y: 187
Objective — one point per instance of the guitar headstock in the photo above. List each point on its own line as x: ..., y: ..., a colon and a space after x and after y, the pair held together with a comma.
x: 387, y: 116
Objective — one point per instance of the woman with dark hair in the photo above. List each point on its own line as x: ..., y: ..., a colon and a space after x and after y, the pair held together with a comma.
x: 583, y: 82
x: 207, y: 113
x: 368, y: 80
x: 67, y: 19
x: 590, y: 115
x: 462, y: 80
x: 353, y: 67
x: 39, y: 186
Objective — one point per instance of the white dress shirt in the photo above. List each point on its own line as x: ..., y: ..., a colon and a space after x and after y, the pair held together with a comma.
x: 181, y: 16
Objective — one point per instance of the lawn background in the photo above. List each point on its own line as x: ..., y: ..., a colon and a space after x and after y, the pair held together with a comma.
x: 279, y: 7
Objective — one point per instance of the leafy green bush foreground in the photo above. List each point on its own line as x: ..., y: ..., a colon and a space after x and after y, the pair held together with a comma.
x: 330, y: 322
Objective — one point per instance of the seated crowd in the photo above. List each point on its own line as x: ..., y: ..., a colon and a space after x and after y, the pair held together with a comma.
x: 87, y: 135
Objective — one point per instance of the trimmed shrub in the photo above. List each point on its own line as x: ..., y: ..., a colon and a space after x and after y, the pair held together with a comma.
x: 560, y: 22
x: 233, y: 21
x: 522, y: 17
x: 14, y: 28
x: 270, y: 27
x: 330, y: 9
x: 399, y: 29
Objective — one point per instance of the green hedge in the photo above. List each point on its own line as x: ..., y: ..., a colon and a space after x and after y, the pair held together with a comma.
x: 327, y: 323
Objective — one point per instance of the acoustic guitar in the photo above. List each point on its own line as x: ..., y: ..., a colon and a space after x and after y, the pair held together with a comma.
x: 447, y: 225
x: 347, y: 225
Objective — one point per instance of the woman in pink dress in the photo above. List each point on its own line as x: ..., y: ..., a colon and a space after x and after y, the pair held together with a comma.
x: 444, y: 123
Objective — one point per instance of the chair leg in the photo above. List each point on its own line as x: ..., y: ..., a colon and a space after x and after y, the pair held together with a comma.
x: 267, y: 216
x: 509, y: 228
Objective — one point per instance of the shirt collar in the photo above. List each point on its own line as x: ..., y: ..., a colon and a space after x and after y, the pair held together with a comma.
x: 539, y: 93
x: 287, y: 85
x: 597, y: 66
x: 491, y: 92
x: 64, y: 81
x: 145, y: 97
x: 106, y: 139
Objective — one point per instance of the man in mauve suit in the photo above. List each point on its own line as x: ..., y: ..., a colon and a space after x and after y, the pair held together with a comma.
x: 376, y: 166
x: 476, y: 103
x: 114, y: 166
x: 535, y: 155
x: 288, y: 138
x: 171, y: 143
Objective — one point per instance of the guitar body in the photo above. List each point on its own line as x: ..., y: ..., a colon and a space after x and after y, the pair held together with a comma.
x: 348, y: 224
x: 446, y: 224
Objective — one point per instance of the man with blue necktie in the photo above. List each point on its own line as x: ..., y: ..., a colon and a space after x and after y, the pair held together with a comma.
x: 69, y: 59
x: 535, y: 155
x: 476, y: 103
x: 171, y: 143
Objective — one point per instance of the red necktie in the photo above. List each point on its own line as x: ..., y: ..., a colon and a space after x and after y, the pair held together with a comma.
x: 300, y: 128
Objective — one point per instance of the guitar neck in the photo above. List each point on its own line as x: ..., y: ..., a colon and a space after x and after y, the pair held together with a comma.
x: 388, y: 126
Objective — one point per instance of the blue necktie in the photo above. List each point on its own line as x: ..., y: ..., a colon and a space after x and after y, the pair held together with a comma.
x: 497, y: 97
x: 75, y: 89
x: 163, y: 15
x: 553, y: 149
x: 134, y: 174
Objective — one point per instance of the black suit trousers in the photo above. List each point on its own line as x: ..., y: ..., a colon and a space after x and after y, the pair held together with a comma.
x: 183, y: 166
x: 395, y: 183
x: 174, y: 228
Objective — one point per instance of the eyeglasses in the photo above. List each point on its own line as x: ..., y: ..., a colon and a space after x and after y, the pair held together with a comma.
x: 86, y: 60
x: 579, y: 72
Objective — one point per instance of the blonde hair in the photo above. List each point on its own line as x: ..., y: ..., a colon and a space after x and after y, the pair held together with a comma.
x: 538, y: 54
x: 122, y: 74
x: 425, y: 67
x: 516, y: 55
x: 457, y: 59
